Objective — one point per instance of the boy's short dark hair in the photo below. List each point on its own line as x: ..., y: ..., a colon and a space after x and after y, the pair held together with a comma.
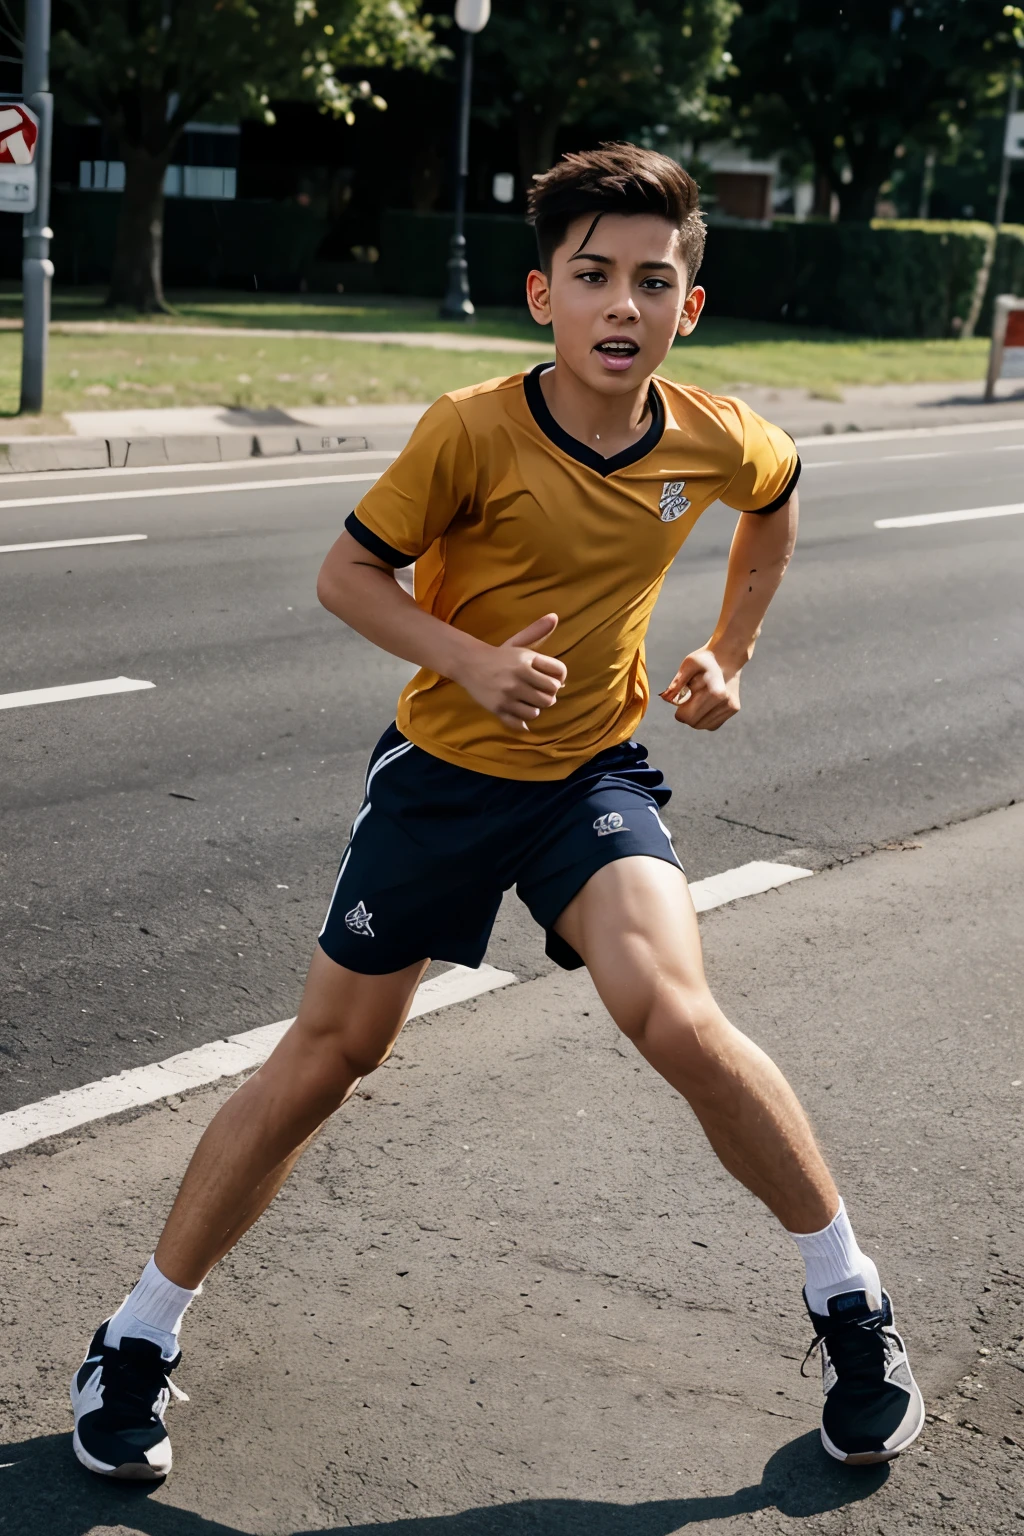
x: 616, y: 178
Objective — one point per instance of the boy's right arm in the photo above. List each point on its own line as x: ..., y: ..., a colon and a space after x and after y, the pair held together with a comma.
x: 512, y: 681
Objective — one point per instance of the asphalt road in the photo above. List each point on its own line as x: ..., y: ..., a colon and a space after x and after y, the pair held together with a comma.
x: 166, y: 856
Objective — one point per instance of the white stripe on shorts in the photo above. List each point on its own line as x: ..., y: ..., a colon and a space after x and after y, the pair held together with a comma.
x: 390, y: 756
x: 654, y: 812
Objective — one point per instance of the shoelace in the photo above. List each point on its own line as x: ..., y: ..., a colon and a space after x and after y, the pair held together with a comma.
x: 852, y: 1346
x: 137, y: 1385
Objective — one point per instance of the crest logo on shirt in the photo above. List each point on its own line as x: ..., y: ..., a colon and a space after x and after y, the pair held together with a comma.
x: 673, y: 503
x: 358, y: 921
x: 611, y: 821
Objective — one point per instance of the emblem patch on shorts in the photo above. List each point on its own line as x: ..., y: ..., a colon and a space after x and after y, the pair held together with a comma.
x: 358, y: 921
x: 673, y: 503
x: 611, y: 821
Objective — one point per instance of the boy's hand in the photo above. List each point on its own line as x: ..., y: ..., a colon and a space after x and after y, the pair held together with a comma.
x: 705, y: 697
x: 513, y: 681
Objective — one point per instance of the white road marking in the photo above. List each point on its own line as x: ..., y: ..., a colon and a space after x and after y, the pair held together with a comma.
x: 108, y: 538
x: 888, y: 434
x: 903, y: 458
x: 206, y: 1064
x: 72, y: 691
x: 965, y: 515
x: 214, y: 466
x: 745, y: 880
x: 149, y: 494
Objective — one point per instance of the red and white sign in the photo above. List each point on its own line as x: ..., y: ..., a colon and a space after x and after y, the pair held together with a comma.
x: 19, y: 129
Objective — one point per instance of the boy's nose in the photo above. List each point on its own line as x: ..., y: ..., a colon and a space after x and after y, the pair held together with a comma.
x: 623, y: 307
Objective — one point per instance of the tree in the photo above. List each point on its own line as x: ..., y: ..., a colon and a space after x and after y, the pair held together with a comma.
x: 854, y: 79
x: 556, y: 62
x: 145, y: 68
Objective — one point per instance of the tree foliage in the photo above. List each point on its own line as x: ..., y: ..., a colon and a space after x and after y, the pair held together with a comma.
x: 145, y: 68
x: 556, y: 62
x: 852, y: 81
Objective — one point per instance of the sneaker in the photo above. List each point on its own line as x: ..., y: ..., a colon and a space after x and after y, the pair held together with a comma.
x: 873, y: 1406
x: 120, y: 1397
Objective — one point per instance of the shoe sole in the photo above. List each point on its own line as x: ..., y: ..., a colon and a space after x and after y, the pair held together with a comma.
x: 872, y: 1458
x: 128, y: 1472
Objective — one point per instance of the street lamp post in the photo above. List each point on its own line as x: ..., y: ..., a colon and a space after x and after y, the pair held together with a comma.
x: 471, y: 16
x: 36, y: 267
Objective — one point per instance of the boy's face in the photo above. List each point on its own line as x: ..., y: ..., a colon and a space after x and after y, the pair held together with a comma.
x: 616, y: 298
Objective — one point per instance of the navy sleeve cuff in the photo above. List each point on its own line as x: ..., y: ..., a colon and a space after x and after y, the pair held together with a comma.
x: 376, y: 546
x: 783, y: 497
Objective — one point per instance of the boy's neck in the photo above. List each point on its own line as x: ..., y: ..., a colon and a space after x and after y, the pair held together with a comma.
x: 607, y: 423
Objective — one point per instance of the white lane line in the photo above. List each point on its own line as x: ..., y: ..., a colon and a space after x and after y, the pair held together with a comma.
x: 107, y: 538
x: 148, y: 493
x: 745, y: 880
x: 903, y: 458
x: 889, y: 434
x: 72, y: 691
x: 965, y: 515
x: 206, y: 1064
x: 240, y: 1053
x: 212, y: 466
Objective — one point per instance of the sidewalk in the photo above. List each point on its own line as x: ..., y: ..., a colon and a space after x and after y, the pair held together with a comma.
x: 509, y: 1292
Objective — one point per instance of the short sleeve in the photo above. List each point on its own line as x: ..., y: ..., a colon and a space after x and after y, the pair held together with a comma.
x: 769, y: 464
x: 416, y: 498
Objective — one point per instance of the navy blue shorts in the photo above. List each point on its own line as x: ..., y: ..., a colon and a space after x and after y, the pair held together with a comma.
x: 434, y: 847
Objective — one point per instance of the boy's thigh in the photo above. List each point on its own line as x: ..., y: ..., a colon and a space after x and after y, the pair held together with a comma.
x: 634, y: 925
x: 612, y: 823
x: 358, y: 1016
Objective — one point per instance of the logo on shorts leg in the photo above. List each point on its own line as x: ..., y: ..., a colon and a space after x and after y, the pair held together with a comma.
x: 673, y: 503
x: 358, y: 921
x: 611, y: 821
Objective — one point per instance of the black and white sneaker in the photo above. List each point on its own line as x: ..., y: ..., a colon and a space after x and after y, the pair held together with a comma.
x: 120, y: 1397
x: 873, y: 1406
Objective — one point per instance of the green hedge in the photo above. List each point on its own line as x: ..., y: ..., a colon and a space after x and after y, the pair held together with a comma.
x: 889, y: 278
x: 207, y: 243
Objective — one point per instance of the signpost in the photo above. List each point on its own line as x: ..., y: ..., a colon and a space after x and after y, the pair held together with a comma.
x: 19, y: 130
x: 1006, y: 358
x: 36, y: 111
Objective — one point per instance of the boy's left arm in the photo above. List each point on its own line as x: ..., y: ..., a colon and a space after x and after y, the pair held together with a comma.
x: 706, y: 688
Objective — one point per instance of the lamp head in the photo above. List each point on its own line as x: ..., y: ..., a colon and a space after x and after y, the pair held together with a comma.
x: 472, y: 15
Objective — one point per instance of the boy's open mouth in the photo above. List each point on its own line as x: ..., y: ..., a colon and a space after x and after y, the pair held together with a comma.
x: 617, y: 352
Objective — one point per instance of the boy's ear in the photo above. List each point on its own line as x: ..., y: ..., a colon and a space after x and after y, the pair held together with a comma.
x: 538, y: 296
x: 692, y: 306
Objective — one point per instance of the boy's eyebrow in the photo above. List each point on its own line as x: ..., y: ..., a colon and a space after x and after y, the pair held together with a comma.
x: 609, y: 261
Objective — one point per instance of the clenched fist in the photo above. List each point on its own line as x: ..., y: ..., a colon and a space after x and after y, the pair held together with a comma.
x: 512, y: 680
x: 704, y: 696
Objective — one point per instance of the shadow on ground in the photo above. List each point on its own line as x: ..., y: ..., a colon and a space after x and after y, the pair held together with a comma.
x: 43, y: 1492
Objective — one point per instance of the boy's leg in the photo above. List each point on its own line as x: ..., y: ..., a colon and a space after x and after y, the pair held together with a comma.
x: 346, y: 1026
x: 634, y: 925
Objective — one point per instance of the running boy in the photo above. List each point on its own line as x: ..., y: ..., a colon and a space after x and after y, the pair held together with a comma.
x: 542, y: 513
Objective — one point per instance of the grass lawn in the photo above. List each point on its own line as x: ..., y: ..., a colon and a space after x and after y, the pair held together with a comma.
x: 104, y: 372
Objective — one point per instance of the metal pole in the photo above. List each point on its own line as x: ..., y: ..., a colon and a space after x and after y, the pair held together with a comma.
x: 36, y: 267
x: 988, y: 261
x: 457, y: 303
x: 1004, y: 175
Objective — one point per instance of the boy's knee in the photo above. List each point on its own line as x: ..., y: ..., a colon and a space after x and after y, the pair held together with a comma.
x: 687, y: 1018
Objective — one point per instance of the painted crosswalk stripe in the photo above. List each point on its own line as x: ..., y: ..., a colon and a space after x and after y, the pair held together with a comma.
x: 965, y: 515
x: 106, y: 538
x: 139, y: 1086
x: 72, y: 691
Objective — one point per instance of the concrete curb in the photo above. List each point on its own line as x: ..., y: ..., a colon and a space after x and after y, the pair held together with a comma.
x: 35, y: 455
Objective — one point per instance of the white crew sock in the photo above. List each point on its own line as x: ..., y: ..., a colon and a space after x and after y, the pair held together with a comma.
x: 154, y: 1310
x: 835, y: 1263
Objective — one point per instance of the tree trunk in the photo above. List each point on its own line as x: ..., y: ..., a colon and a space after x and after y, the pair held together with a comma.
x: 871, y: 164
x: 136, y: 280
x: 537, y: 123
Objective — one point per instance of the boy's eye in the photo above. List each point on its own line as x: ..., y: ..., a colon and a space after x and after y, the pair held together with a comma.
x: 654, y: 282
x: 596, y: 276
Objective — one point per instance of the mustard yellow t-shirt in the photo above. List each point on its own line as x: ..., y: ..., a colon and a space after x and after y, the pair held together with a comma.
x: 508, y: 517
